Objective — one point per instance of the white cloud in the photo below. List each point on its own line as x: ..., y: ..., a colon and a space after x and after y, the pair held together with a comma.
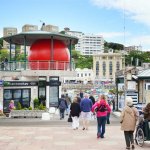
x: 113, y: 34
x: 144, y: 41
x: 137, y: 10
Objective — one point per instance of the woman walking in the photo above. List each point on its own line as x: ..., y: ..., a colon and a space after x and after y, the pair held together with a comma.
x: 101, y: 107
x: 75, y: 113
x: 128, y: 120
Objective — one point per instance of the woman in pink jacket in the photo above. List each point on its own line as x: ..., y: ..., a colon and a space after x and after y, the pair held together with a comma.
x: 101, y: 108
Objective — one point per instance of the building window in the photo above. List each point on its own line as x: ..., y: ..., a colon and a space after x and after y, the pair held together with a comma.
x: 104, y: 68
x: 89, y: 74
x: 81, y: 74
x: 78, y: 75
x: 110, y: 68
x: 117, y: 66
x: 97, y: 68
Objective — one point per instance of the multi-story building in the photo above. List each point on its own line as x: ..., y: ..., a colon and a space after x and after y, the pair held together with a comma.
x: 82, y: 76
x: 88, y: 44
x: 146, y: 65
x: 133, y: 48
x: 49, y: 28
x: 105, y: 65
x: 7, y: 31
x: 28, y: 27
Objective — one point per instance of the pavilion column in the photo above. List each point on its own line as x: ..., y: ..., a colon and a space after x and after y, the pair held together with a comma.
x: 70, y: 48
x: 15, y: 58
x: 52, y: 53
x: 10, y: 59
x: 25, y: 53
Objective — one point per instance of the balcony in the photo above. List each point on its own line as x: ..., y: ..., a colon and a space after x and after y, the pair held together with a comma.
x: 35, y: 65
x: 37, y: 68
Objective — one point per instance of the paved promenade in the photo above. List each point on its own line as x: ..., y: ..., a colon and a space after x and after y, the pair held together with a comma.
x: 61, y: 137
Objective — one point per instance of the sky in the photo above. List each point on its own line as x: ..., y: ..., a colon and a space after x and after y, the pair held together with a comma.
x: 120, y: 21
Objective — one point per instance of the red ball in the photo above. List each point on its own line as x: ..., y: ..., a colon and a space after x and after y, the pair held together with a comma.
x: 40, y: 51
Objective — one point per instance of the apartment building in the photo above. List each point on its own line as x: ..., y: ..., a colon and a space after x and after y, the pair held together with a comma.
x: 106, y: 64
x: 88, y: 44
x: 7, y: 31
x: 49, y: 28
x: 28, y: 27
x: 133, y: 48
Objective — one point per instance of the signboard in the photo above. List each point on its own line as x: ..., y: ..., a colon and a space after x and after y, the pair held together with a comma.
x: 133, y: 95
x: 54, y: 83
x: 20, y: 83
x: 131, y: 85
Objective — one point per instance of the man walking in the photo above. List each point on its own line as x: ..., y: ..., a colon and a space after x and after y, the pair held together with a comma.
x: 86, y: 105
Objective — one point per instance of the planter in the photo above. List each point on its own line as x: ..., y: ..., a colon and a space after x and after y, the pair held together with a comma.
x: 27, y: 113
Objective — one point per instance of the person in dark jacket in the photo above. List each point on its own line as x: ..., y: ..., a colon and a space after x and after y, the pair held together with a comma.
x: 146, y: 112
x: 62, y: 105
x: 75, y: 113
x: 92, y: 99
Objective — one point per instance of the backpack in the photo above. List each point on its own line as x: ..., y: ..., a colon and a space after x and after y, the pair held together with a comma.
x: 101, y: 108
x: 62, y: 104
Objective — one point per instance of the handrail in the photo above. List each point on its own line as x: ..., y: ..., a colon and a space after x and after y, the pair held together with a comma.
x: 35, y: 65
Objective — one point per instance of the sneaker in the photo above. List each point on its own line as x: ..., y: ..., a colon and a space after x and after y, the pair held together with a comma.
x: 133, y: 147
x: 83, y: 128
x: 98, y: 135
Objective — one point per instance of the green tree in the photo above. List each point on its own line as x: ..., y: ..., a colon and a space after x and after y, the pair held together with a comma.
x: 3, y: 53
x: 133, y: 56
x: 1, y: 43
x: 114, y: 46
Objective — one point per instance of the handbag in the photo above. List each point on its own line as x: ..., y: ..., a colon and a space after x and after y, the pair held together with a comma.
x: 69, y: 119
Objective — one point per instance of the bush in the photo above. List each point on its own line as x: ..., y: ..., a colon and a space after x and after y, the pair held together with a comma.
x: 30, y: 108
x: 41, y: 107
x: 36, y: 103
x: 19, y: 107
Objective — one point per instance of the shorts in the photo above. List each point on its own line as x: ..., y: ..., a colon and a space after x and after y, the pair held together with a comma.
x: 86, y: 115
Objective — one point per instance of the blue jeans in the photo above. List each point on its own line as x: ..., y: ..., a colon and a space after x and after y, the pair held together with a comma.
x: 101, y: 122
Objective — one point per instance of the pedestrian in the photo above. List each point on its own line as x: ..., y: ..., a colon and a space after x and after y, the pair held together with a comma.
x: 11, y: 107
x: 6, y: 63
x: 110, y: 99
x: 128, y: 119
x: 62, y: 105
x: 101, y: 107
x: 92, y: 99
x: 68, y: 100
x: 146, y: 112
x: 85, y: 106
x: 2, y: 65
x: 81, y: 94
x: 78, y: 98
x: 146, y: 127
x: 75, y: 113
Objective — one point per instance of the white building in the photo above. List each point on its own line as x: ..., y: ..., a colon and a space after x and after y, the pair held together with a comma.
x: 88, y: 44
x: 82, y: 76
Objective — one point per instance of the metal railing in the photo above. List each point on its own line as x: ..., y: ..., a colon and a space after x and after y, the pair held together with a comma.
x: 34, y: 65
